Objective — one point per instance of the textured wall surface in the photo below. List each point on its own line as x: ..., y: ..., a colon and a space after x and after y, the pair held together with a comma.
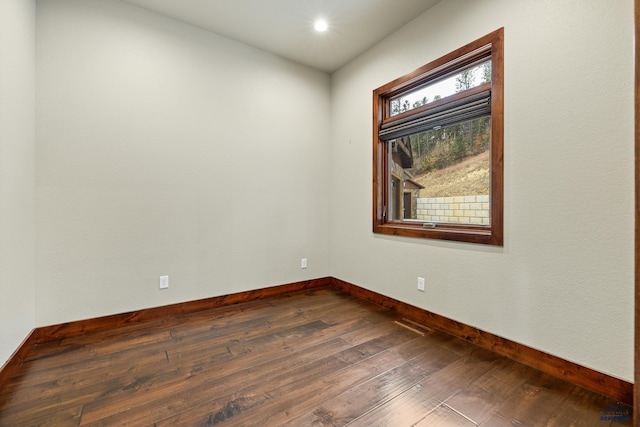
x: 17, y: 102
x: 162, y: 149
x: 563, y: 282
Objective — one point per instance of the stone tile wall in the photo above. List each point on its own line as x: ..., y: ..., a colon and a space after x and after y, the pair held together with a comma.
x: 456, y: 210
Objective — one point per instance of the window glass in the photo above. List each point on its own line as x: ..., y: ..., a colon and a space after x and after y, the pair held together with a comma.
x: 443, y: 175
x: 434, y: 91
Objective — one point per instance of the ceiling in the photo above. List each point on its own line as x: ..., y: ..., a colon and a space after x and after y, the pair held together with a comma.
x: 285, y: 27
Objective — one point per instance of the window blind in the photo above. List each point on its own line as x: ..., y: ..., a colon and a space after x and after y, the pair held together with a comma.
x: 468, y: 108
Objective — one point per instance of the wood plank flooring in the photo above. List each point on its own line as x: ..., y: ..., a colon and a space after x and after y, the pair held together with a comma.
x: 315, y: 358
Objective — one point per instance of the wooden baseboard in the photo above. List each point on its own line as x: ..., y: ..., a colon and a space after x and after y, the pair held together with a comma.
x: 72, y: 329
x: 12, y: 365
x: 553, y: 365
x: 585, y: 377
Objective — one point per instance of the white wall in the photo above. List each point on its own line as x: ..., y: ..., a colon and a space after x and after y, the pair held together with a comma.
x: 563, y: 283
x: 17, y: 106
x: 162, y: 149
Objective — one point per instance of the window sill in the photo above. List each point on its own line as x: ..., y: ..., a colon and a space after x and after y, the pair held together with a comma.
x: 469, y: 234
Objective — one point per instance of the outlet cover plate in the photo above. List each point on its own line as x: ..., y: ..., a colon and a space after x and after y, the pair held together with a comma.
x: 164, y: 282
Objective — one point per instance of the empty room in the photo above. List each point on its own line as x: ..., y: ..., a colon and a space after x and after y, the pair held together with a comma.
x: 317, y: 212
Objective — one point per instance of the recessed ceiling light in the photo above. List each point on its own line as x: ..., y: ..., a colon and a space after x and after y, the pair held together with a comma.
x: 321, y: 25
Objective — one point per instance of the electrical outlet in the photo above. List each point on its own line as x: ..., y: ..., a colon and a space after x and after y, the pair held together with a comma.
x: 421, y: 284
x: 164, y: 282
x: 303, y: 263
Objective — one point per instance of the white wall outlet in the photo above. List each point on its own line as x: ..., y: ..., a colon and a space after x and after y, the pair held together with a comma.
x: 164, y: 282
x: 303, y: 263
x: 421, y: 284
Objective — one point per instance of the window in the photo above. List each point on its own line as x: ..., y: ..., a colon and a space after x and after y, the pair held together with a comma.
x: 438, y: 148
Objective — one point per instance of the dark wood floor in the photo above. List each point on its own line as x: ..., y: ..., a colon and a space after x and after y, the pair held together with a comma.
x: 319, y: 358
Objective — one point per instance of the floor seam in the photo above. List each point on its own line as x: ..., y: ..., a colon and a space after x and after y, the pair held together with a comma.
x: 460, y: 413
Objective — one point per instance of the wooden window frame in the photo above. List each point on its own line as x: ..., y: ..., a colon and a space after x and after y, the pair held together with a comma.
x: 487, y: 47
